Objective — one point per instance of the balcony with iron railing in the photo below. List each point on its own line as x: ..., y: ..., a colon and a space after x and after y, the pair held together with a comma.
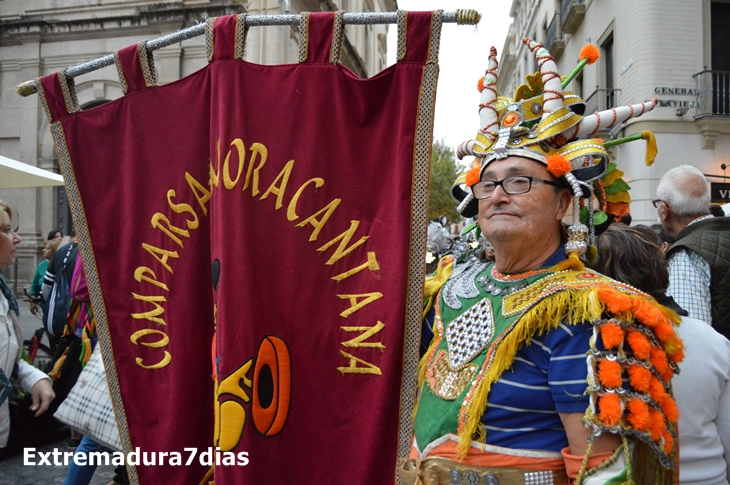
x: 601, y: 99
x: 554, y: 40
x: 713, y: 93
x: 572, y: 13
x: 712, y: 115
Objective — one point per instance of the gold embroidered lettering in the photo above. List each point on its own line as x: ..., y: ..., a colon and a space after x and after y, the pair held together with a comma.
x: 135, y: 338
x: 182, y: 207
x: 139, y: 275
x: 227, y: 182
x: 355, y: 305
x: 353, y: 368
x: 263, y: 153
x: 201, y: 193
x: 319, y: 223
x: 291, y: 213
x: 214, y: 176
x: 159, y: 221
x: 367, y: 333
x: 161, y: 255
x: 152, y: 314
x: 279, y: 191
x: 163, y: 363
x: 345, y: 237
x: 371, y: 263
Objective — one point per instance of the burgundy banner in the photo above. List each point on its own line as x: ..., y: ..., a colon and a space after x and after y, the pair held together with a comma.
x: 293, y: 187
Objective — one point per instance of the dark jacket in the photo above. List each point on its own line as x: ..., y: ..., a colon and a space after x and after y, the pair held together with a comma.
x: 711, y: 240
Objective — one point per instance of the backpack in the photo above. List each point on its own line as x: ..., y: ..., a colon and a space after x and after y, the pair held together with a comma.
x: 59, y: 302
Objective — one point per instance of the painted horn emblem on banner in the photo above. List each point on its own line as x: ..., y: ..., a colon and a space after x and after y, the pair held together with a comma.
x: 271, y: 389
x: 270, y: 386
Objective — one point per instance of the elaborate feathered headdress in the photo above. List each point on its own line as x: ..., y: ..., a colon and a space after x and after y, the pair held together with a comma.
x: 545, y: 124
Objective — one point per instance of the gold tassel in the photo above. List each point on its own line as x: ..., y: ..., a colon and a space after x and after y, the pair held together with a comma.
x: 651, y: 148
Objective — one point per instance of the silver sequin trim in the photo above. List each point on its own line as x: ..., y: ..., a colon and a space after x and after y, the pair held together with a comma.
x: 539, y: 478
x: 462, y: 285
x: 558, y: 121
x: 469, y: 333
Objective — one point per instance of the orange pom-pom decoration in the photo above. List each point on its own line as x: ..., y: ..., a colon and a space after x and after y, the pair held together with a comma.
x: 590, y: 52
x: 669, y: 406
x: 647, y: 313
x: 659, y: 360
x: 472, y: 176
x: 677, y: 353
x: 638, y: 414
x: 616, y: 302
x: 612, y: 335
x: 558, y: 165
x: 639, y: 378
x: 609, y: 372
x: 664, y: 331
x: 610, y: 409
x: 657, y: 424
x: 668, y: 443
x: 657, y: 391
x: 639, y: 344
x: 480, y: 84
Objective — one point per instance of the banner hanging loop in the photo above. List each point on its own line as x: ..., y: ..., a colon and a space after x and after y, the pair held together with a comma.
x: 460, y: 17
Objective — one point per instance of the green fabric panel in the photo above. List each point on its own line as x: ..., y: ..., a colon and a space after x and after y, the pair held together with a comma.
x: 430, y: 422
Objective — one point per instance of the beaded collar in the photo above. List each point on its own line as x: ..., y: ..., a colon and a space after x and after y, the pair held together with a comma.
x: 508, y: 278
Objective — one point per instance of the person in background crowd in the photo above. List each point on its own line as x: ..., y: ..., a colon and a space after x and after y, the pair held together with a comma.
x: 49, y: 249
x: 702, y: 388
x: 665, y: 240
x: 699, y: 260
x: 55, y: 234
x: 11, y: 338
x: 69, y: 253
x: 716, y: 211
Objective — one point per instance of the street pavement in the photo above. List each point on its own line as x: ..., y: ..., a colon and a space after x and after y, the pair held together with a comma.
x: 12, y: 470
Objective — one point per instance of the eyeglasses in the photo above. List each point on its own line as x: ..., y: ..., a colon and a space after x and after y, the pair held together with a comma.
x: 656, y: 203
x: 520, y: 184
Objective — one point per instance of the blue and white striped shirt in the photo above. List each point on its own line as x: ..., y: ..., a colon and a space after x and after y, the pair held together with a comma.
x: 547, y: 377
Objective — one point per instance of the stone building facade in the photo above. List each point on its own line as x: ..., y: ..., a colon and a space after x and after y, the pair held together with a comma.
x: 39, y: 37
x: 673, y: 50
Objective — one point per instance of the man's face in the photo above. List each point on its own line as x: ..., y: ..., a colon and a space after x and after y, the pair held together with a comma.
x: 506, y: 218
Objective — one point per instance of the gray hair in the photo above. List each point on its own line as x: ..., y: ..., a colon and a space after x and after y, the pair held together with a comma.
x: 686, y: 191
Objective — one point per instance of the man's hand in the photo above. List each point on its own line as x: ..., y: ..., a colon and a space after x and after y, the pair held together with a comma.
x: 42, y: 396
x: 33, y: 308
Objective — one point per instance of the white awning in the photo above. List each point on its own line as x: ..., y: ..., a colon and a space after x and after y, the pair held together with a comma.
x: 18, y: 175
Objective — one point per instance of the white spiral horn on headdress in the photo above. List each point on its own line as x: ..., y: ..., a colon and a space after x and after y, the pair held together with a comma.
x: 590, y: 124
x: 488, y: 114
x: 551, y: 87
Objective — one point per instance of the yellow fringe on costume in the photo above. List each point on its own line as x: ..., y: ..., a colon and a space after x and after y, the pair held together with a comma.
x: 434, y: 283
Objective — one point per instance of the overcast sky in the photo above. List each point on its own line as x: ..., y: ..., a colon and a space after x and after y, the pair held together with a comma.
x: 462, y: 60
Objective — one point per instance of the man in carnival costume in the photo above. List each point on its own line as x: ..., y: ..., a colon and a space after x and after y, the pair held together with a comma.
x: 542, y: 371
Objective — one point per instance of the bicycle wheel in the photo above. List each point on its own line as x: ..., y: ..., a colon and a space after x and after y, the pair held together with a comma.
x: 43, y: 356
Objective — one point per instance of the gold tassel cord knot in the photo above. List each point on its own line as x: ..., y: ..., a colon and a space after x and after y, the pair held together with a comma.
x: 467, y: 17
